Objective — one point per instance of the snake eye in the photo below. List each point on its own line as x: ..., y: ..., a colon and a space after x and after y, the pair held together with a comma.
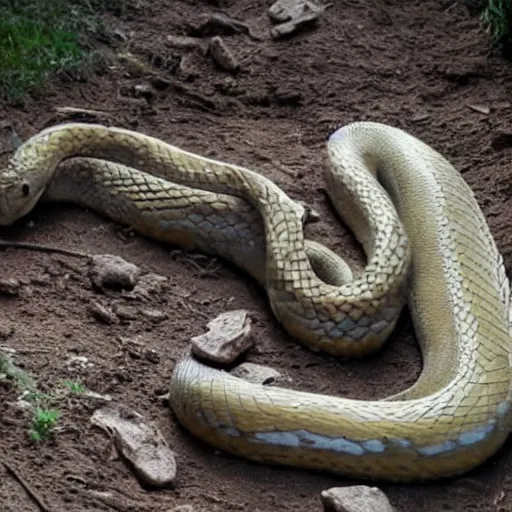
x: 25, y: 189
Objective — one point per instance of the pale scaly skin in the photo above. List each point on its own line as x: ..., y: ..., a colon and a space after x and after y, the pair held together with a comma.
x: 351, y: 319
x: 459, y: 412
x: 218, y: 224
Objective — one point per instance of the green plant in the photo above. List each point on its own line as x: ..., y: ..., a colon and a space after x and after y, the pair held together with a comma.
x: 496, y: 15
x: 74, y: 387
x: 43, y: 423
x: 47, y: 37
x: 22, y: 380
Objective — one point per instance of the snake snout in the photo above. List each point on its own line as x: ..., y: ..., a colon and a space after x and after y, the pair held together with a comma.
x: 337, y: 135
x: 15, y: 202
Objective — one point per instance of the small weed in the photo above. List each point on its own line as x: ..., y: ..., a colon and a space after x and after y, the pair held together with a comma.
x: 74, y: 387
x: 44, y: 417
x: 21, y: 379
x: 43, y: 423
x: 496, y: 15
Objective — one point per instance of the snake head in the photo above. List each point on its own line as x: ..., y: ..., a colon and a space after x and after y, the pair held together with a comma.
x: 19, y: 192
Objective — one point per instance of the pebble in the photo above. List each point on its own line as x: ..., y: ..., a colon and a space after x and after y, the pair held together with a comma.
x: 356, y: 498
x: 228, y: 336
x: 10, y: 286
x: 140, y: 443
x: 110, y: 271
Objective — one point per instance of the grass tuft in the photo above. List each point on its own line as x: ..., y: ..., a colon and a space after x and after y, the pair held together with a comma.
x: 47, y: 37
x: 43, y: 424
x: 497, y: 16
x: 44, y: 417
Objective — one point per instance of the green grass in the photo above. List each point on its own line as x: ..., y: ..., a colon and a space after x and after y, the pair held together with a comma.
x: 496, y: 15
x: 43, y: 424
x: 41, y: 38
x: 44, y: 414
x: 74, y: 387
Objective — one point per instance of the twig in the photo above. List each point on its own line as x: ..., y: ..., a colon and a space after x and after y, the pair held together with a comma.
x: 42, y: 248
x: 84, y: 111
x: 25, y: 350
x: 28, y: 488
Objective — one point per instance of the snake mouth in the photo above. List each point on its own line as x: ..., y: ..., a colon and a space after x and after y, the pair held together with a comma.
x: 9, y: 214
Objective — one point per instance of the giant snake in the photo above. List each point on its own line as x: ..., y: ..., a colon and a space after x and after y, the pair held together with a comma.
x: 427, y: 243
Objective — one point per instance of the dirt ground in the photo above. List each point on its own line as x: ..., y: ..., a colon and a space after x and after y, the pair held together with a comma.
x: 420, y: 65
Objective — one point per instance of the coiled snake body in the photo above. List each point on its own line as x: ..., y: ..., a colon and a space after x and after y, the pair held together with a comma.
x: 458, y: 413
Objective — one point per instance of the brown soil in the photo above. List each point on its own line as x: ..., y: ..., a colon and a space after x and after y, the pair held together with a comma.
x: 421, y: 65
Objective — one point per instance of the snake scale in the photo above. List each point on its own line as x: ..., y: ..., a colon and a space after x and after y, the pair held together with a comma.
x: 426, y: 241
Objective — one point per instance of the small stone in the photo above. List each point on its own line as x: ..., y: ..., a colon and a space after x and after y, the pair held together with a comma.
x: 10, y: 141
x: 482, y: 109
x: 10, y: 286
x: 133, y: 65
x: 292, y: 15
x: 228, y: 336
x: 125, y: 313
x: 110, y: 271
x: 151, y: 355
x: 147, y: 285
x: 154, y: 315
x: 182, y: 508
x: 185, y: 42
x: 256, y: 373
x: 356, y: 498
x: 78, y: 363
x: 222, y: 54
x: 144, y: 91
x: 288, y: 10
x: 102, y: 314
x: 140, y: 443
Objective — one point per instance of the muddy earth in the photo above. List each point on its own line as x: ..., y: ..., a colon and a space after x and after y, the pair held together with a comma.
x: 424, y: 66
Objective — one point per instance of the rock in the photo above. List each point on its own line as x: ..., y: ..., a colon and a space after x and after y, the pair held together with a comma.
x: 140, y: 443
x: 10, y: 286
x: 125, y: 313
x: 78, y: 363
x: 155, y: 315
x: 133, y: 65
x: 185, y: 43
x: 256, y: 373
x: 228, y: 336
x: 182, y: 508
x: 222, y: 55
x: 292, y: 15
x: 102, y: 313
x: 147, y: 285
x: 356, y: 498
x: 288, y: 10
x: 10, y: 141
x: 144, y: 90
x: 137, y: 349
x: 110, y: 271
